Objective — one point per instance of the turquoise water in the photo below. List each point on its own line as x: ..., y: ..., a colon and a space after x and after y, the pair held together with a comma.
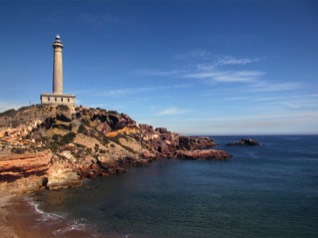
x: 265, y: 191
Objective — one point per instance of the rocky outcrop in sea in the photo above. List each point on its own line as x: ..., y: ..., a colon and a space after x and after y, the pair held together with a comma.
x: 51, y: 147
x: 244, y: 142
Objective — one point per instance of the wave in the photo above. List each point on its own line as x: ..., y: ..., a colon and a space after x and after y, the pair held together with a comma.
x: 58, y: 224
x: 76, y: 226
x: 44, y: 216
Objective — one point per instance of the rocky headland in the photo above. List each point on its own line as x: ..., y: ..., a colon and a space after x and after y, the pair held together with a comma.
x: 51, y: 147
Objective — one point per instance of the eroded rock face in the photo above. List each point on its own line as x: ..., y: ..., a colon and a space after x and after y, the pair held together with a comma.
x: 63, y: 146
x: 61, y: 174
x: 14, y: 166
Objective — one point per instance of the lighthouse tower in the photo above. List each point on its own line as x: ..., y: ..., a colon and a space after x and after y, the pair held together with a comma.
x: 58, y: 66
x: 57, y: 96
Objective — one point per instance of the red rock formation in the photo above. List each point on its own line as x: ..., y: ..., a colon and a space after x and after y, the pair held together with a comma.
x: 14, y: 166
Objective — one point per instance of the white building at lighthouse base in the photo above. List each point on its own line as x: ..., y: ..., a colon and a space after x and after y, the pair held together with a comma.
x: 52, y: 98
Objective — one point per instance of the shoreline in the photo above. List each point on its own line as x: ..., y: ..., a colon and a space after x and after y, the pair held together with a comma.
x: 6, y: 225
x: 17, y: 218
x: 21, y: 219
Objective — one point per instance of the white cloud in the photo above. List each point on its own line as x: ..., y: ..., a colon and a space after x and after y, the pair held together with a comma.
x: 290, y: 104
x: 206, y: 66
x: 227, y: 76
x: 148, y: 72
x: 173, y: 111
x: 218, y: 60
x: 229, y: 60
x: 209, y: 71
x: 130, y: 91
x: 262, y: 86
x: 193, y: 54
x: 127, y: 91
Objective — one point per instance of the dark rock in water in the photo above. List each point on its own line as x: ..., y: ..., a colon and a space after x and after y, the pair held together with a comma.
x: 244, y: 142
x: 206, y: 154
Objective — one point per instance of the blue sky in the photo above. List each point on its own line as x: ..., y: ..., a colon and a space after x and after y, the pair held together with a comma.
x: 195, y: 67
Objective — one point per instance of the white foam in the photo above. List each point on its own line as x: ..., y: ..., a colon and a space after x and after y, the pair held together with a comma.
x: 74, y: 226
x: 52, y: 219
x: 44, y: 216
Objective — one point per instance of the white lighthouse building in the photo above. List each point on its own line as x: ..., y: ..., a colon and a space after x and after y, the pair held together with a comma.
x: 57, y: 96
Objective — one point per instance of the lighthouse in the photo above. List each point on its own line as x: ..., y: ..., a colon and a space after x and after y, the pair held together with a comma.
x: 57, y: 96
x: 58, y: 66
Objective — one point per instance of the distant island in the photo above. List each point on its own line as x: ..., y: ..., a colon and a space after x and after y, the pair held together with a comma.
x: 57, y: 146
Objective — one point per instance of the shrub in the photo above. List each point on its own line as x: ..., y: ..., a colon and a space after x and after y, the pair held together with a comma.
x: 9, y: 113
x: 62, y: 107
x: 18, y: 150
x: 53, y: 146
x: 82, y: 129
x: 68, y: 138
x: 85, y: 122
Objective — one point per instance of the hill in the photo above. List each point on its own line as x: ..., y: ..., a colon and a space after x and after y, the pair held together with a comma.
x: 50, y: 147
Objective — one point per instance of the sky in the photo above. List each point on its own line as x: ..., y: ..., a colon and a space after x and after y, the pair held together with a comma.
x: 194, y: 67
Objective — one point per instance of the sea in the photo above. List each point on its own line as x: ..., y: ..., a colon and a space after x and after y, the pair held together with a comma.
x: 269, y: 190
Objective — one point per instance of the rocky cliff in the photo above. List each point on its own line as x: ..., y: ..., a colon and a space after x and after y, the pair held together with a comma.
x: 56, y: 146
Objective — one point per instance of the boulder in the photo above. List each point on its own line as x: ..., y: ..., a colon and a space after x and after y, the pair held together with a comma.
x: 61, y: 175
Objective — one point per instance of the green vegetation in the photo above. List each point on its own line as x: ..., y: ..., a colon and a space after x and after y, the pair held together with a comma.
x: 96, y: 148
x: 113, y: 112
x: 82, y: 129
x: 58, y: 141
x: 106, y: 140
x: 9, y: 113
x: 18, y: 150
x: 116, y: 138
x: 68, y: 138
x: 63, y: 107
x: 85, y: 122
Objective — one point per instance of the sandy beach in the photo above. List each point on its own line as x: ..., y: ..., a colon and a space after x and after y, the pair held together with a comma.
x: 6, y: 226
x: 18, y: 219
